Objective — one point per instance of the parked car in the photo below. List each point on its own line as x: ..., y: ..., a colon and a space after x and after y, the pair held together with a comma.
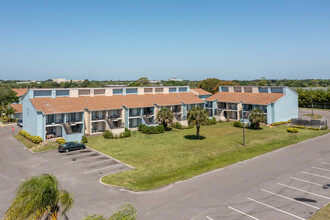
x: 20, y: 122
x: 68, y: 146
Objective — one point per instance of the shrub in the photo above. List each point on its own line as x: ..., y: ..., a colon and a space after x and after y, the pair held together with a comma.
x: 324, y: 128
x: 211, y: 121
x: 292, y: 130
x: 84, y: 139
x: 60, y: 141
x: 108, y: 135
x: 177, y: 125
x: 238, y: 124
x: 298, y: 126
x: 36, y: 139
x: 127, y: 133
x: 220, y: 121
x: 152, y: 129
x: 140, y: 127
x: 22, y: 133
x: 313, y: 128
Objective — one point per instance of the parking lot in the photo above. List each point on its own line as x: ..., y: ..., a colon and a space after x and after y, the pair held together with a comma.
x: 90, y: 162
x: 297, y: 196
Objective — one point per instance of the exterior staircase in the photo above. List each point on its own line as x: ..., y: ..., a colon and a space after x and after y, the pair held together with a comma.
x: 110, y: 123
x: 146, y: 119
x: 67, y: 128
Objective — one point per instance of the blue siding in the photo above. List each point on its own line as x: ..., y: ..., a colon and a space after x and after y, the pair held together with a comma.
x: 126, y: 115
x: 62, y: 92
x: 184, y: 111
x: 33, y: 121
x: 43, y: 93
x: 286, y: 108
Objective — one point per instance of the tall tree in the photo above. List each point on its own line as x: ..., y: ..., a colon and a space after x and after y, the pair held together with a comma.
x: 39, y: 197
x: 165, y: 116
x: 197, y: 116
x: 256, y: 117
x: 208, y: 84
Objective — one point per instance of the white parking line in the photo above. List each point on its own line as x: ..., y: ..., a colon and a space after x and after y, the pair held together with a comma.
x: 325, y: 177
x: 243, y: 213
x: 325, y: 163
x: 269, y: 206
x: 303, y: 191
x: 107, y: 159
x: 290, y: 199
x: 319, y: 168
x: 89, y: 171
x: 78, y: 154
x: 209, y: 218
x: 306, y: 181
x: 87, y: 158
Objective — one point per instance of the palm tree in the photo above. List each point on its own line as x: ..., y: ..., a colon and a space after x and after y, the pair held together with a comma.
x: 165, y: 116
x: 38, y: 197
x: 9, y: 112
x: 197, y: 116
x: 126, y: 212
x: 256, y: 117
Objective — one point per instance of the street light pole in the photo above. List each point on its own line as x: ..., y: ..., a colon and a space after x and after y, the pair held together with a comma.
x: 241, y: 102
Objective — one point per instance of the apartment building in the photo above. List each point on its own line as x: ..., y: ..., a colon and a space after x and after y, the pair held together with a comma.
x: 236, y: 102
x: 72, y: 113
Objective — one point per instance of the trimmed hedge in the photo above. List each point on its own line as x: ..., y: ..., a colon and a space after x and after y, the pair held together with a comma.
x: 280, y: 123
x: 298, y: 126
x: 151, y: 129
x: 34, y: 139
x: 238, y: 124
x: 109, y: 135
x: 324, y: 128
x: 292, y: 130
x: 313, y: 128
x: 60, y: 141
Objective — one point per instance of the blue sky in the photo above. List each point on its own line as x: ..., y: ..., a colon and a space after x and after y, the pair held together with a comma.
x: 160, y: 39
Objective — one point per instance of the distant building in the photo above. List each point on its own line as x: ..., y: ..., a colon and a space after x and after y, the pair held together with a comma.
x: 61, y: 80
x: 175, y: 79
x: 154, y: 81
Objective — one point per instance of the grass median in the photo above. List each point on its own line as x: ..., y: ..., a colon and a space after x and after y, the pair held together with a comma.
x: 166, y: 158
x: 323, y: 214
x: 34, y: 147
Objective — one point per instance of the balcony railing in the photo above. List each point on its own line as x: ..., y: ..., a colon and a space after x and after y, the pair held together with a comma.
x: 94, y: 117
x: 73, y: 120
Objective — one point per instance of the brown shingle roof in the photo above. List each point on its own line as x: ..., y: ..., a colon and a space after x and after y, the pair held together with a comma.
x: 248, y: 98
x: 77, y: 104
x: 17, y: 107
x: 200, y: 91
x: 20, y: 92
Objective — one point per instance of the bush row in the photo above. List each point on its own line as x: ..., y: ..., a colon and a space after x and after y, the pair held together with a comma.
x: 310, y: 128
x: 178, y: 125
x: 34, y: 139
x: 151, y: 129
x: 292, y: 130
x: 280, y: 123
x: 211, y: 121
x: 109, y: 135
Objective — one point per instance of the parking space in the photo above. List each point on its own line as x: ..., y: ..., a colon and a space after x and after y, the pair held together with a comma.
x: 91, y: 162
x: 295, y: 197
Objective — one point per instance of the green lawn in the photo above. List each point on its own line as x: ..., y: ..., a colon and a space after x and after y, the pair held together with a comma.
x: 314, y: 116
x: 31, y: 145
x: 166, y: 158
x: 323, y: 214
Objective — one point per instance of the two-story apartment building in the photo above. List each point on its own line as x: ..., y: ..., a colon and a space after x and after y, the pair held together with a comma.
x: 72, y: 113
x: 277, y: 103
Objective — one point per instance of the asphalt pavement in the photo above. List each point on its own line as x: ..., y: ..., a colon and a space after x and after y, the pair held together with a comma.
x: 290, y: 183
